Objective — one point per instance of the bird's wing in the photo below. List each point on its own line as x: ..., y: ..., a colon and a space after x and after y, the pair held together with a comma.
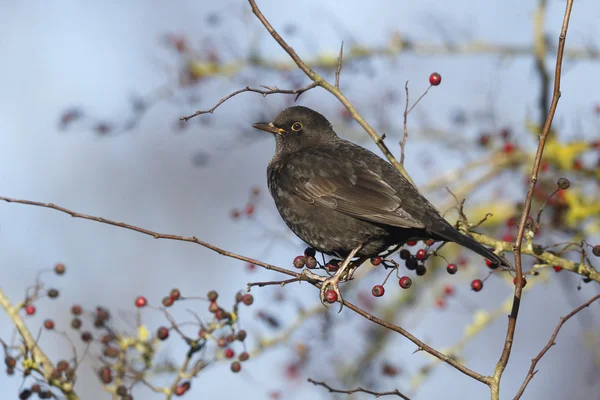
x: 357, y: 191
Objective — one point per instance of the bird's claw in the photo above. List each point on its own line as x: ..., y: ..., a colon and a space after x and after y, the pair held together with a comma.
x: 331, y: 283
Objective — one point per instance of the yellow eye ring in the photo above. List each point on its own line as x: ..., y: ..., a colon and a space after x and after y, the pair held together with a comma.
x: 296, y: 126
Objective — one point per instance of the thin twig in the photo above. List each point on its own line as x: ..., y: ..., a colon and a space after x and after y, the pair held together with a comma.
x: 405, y: 137
x: 394, y: 392
x: 270, y: 283
x: 339, y: 66
x: 551, y: 343
x: 512, y: 321
x: 270, y: 90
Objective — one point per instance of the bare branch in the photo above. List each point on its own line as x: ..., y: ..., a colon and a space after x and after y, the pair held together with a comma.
x: 270, y: 90
x: 512, y: 321
x: 394, y: 392
x: 339, y: 67
x: 551, y: 343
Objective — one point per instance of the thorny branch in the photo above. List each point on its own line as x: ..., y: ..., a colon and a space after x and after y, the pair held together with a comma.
x: 512, y: 321
x: 551, y: 343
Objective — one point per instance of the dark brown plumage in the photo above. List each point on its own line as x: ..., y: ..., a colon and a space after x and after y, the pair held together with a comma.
x: 336, y: 195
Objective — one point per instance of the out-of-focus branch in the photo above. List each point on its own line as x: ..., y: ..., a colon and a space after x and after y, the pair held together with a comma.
x: 394, y: 392
x: 40, y: 361
x: 512, y: 321
x: 551, y: 343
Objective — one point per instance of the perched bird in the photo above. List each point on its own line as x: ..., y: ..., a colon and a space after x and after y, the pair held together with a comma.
x: 342, y: 199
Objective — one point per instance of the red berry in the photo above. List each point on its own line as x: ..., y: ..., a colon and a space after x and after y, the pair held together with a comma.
x: 244, y: 356
x: 508, y: 237
x: 524, y: 281
x: 235, y: 214
x: 49, y: 324
x: 477, y: 285
x: 249, y: 210
x: 404, y: 254
x: 299, y: 262
x: 162, y: 333
x: 405, y: 282
x: 557, y: 268
x: 247, y: 299
x: 59, y: 268
x: 435, y: 79
x: 452, y: 269
x: 429, y: 242
x: 140, y: 301
x: 411, y: 242
x: 182, y: 388
x: 448, y: 290
x: 440, y: 302
x: 167, y: 301
x: 331, y: 296
x: 378, y: 291
x: 236, y: 367
x: 250, y: 267
x: 30, y: 309
x: 333, y: 265
x: 491, y: 264
x: 229, y: 353
x: 421, y: 255
x: 311, y: 262
x: 577, y: 165
x: 376, y: 261
x: 596, y: 250
x: 175, y: 294
x: 508, y: 148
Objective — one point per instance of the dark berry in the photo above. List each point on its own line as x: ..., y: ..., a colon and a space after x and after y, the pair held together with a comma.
x: 311, y: 262
x: 241, y: 335
x: 596, y: 250
x: 236, y: 366
x: 404, y: 254
x: 162, y: 333
x: 309, y: 252
x: 333, y: 265
x: 412, y: 264
x: 244, y: 356
x: 563, y: 183
x: 491, y: 264
x: 405, y: 282
x: 52, y: 293
x: 76, y: 323
x: 378, y: 291
x: 105, y: 375
x: 86, y: 337
x: 421, y: 270
x: 212, y: 295
x: 167, y: 301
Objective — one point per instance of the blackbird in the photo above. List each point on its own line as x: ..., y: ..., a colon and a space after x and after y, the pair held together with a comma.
x: 344, y: 200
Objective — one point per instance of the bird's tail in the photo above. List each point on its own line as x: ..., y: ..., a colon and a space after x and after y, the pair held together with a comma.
x: 448, y: 233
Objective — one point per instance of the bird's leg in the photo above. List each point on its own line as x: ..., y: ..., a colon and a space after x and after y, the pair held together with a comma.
x: 334, y: 281
x: 353, y: 266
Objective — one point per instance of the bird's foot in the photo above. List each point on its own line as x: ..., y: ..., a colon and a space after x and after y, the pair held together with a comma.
x: 307, y: 275
x: 330, y: 290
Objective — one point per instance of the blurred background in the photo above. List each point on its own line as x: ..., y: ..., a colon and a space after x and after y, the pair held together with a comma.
x: 90, y: 100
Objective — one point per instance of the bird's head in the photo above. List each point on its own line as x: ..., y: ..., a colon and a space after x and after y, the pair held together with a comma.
x: 298, y: 127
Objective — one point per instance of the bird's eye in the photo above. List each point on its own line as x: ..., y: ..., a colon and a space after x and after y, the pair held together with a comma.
x: 296, y: 126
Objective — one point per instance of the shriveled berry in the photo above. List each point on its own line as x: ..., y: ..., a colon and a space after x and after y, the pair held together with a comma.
x: 236, y: 366
x: 229, y: 353
x: 162, y: 333
x: 62, y: 365
x: 105, y: 375
x: 244, y: 356
x: 376, y: 261
x: 299, y: 262
x: 378, y: 290
x: 167, y: 301
x: 405, y: 282
x: 182, y: 388
x: 212, y: 295
x: 111, y: 351
x: 331, y: 296
x: 435, y: 79
x: 59, y: 268
x: 76, y: 323
x: 140, y: 301
x: 175, y: 294
x: 52, y: 293
x: 247, y: 299
x: 311, y: 262
x: 563, y: 183
x: 310, y: 252
x: 404, y: 254
x: 49, y: 324
x: 452, y: 269
x: 421, y: 255
x: 476, y: 285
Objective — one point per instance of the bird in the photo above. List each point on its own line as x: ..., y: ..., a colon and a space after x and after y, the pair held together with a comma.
x: 343, y: 200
